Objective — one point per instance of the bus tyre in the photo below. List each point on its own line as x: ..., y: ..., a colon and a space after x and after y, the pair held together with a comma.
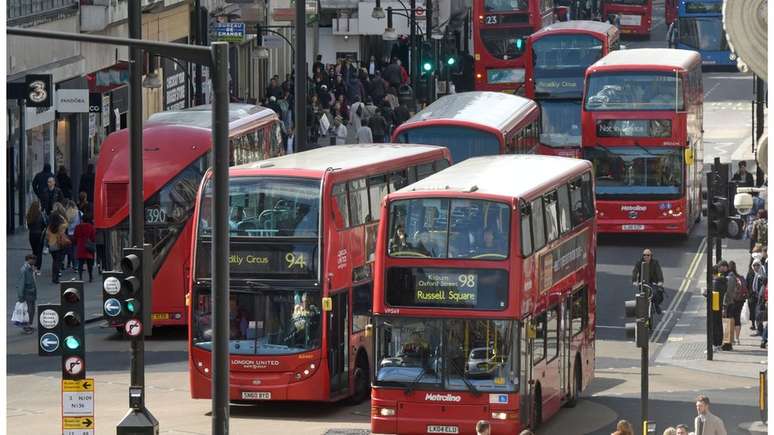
x: 537, y: 409
x: 362, y: 389
x: 577, y: 381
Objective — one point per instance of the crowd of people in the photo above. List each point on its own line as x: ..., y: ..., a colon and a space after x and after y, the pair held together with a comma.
x: 347, y: 102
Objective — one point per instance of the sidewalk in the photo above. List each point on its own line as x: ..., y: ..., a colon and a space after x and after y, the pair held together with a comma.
x: 48, y: 293
x: 687, y: 343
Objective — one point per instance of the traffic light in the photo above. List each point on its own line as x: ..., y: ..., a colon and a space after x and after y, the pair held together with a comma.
x: 73, y: 334
x: 136, y: 285
x: 717, y: 215
x: 451, y: 60
x: 520, y: 44
x: 639, y: 309
x: 427, y: 65
x: 112, y: 295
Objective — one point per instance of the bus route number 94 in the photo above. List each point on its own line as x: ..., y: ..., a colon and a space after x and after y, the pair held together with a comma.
x: 295, y: 260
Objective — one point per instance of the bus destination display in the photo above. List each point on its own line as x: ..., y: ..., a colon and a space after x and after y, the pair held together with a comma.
x: 436, y: 287
x: 284, y: 259
x: 447, y: 289
x: 634, y: 128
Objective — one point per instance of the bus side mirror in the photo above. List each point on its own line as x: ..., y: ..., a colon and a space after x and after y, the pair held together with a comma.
x: 369, y: 330
x: 531, y: 331
x: 688, y: 156
x: 327, y: 304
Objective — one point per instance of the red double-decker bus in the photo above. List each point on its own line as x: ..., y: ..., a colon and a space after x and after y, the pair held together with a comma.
x: 634, y: 17
x: 642, y: 130
x: 485, y: 296
x: 176, y: 147
x: 500, y: 30
x: 557, y: 58
x: 474, y: 124
x: 303, y: 233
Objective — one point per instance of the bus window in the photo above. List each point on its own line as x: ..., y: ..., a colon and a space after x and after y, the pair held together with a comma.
x: 424, y: 171
x: 580, y: 309
x: 588, y: 196
x: 358, y: 202
x: 361, y: 306
x: 412, y: 175
x: 564, y: 209
x: 377, y: 189
x: 341, y: 210
x: 538, y: 226
x: 576, y: 202
x: 552, y: 333
x: 440, y: 164
x: 539, y: 343
x: 398, y: 180
x: 552, y: 228
x: 526, y: 235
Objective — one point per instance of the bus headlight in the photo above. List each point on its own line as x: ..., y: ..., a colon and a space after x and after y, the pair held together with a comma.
x: 732, y: 56
x: 503, y: 415
x: 304, y: 371
x: 387, y: 412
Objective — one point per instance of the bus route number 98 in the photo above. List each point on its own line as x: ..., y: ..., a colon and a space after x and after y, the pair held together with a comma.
x: 467, y: 281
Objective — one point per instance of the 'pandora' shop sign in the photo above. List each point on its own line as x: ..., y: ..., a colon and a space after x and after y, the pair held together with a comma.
x: 72, y: 100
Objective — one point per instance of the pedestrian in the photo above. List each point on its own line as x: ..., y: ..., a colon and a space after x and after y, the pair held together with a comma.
x: 392, y: 73
x: 741, y: 177
x: 369, y: 110
x: 378, y: 87
x: 373, y: 67
x: 763, y: 310
x: 64, y: 182
x: 756, y: 279
x: 707, y: 423
x: 73, y: 216
x: 655, y: 278
x: 56, y: 237
x: 86, y: 242
x: 290, y: 141
x: 356, y: 114
x: 364, y: 135
x: 670, y: 431
x: 51, y: 195
x: 719, y: 285
x: 623, y: 428
x: 273, y: 105
x: 483, y: 428
x: 378, y: 127
x: 760, y: 229
x: 40, y: 181
x: 338, y: 131
x: 681, y: 429
x: 86, y: 184
x: 36, y: 226
x: 401, y: 114
x: 27, y: 290
x: 83, y: 203
x: 274, y: 89
x: 736, y: 293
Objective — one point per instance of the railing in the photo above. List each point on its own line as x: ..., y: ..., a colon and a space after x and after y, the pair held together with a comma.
x: 16, y: 9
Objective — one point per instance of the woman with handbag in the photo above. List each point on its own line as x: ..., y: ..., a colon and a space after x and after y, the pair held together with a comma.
x: 86, y: 245
x: 27, y: 292
x: 56, y: 236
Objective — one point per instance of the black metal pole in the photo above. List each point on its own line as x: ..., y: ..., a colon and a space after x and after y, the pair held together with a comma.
x: 710, y: 332
x: 644, y: 385
x: 22, y: 186
x: 300, y: 85
x: 716, y: 168
x: 413, y: 52
x: 220, y: 242
x: 136, y: 209
x: 760, y: 91
x: 198, y: 38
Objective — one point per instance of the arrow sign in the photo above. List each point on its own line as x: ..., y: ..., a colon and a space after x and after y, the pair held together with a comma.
x: 73, y: 365
x: 133, y: 327
x: 112, y: 307
x: 86, y: 385
x: 49, y: 342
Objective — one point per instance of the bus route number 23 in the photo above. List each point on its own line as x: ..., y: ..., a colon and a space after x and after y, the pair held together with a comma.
x: 490, y: 19
x: 295, y: 260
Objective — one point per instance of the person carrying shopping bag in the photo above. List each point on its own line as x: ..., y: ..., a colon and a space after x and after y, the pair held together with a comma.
x: 27, y: 291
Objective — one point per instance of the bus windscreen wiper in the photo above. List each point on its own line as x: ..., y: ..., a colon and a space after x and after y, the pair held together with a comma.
x: 468, y: 384
x: 643, y: 148
x: 410, y: 387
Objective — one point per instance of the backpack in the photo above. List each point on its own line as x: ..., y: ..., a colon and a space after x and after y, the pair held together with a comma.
x: 741, y: 288
x: 359, y: 110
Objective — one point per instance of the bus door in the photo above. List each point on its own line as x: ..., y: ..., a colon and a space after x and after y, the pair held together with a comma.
x: 550, y: 379
x: 338, y: 343
x: 526, y: 335
x: 565, y: 351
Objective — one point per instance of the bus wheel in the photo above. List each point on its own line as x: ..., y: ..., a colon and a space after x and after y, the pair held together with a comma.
x: 577, y: 381
x: 362, y: 388
x: 537, y: 410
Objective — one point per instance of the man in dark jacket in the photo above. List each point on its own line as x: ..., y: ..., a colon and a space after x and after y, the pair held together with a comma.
x: 655, y: 277
x: 742, y: 177
x: 51, y: 195
x: 401, y: 114
x: 378, y: 126
x: 40, y: 180
x: 86, y: 183
x: 392, y: 73
x: 378, y: 88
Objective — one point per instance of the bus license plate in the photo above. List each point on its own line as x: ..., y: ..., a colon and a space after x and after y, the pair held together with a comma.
x: 631, y: 20
x: 160, y: 316
x: 443, y: 429
x: 256, y: 395
x: 632, y: 227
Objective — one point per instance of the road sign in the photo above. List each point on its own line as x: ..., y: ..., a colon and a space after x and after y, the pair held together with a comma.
x: 49, y: 318
x: 228, y: 32
x: 86, y: 422
x: 49, y: 342
x: 112, y: 307
x: 73, y: 365
x: 112, y: 285
x: 419, y: 11
x: 133, y: 327
x: 78, y: 398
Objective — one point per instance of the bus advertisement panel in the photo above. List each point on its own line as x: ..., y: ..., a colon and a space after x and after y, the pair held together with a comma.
x: 557, y: 58
x: 302, y: 245
x: 176, y: 146
x: 484, y: 296
x: 642, y: 130
x: 500, y: 31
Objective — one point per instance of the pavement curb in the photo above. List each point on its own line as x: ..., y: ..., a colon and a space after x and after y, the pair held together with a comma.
x: 755, y: 427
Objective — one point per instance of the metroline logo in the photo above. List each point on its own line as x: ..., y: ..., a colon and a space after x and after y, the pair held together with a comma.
x: 633, y: 208
x: 442, y: 397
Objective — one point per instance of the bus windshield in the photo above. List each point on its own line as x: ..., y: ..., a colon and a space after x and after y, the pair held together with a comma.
x: 444, y: 228
x: 559, y: 56
x: 506, y: 5
x: 636, y: 171
x: 634, y: 91
x: 263, y: 323
x: 267, y: 207
x: 561, y: 123
x: 505, y: 43
x: 463, y: 142
x: 454, y: 354
x: 703, y: 33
